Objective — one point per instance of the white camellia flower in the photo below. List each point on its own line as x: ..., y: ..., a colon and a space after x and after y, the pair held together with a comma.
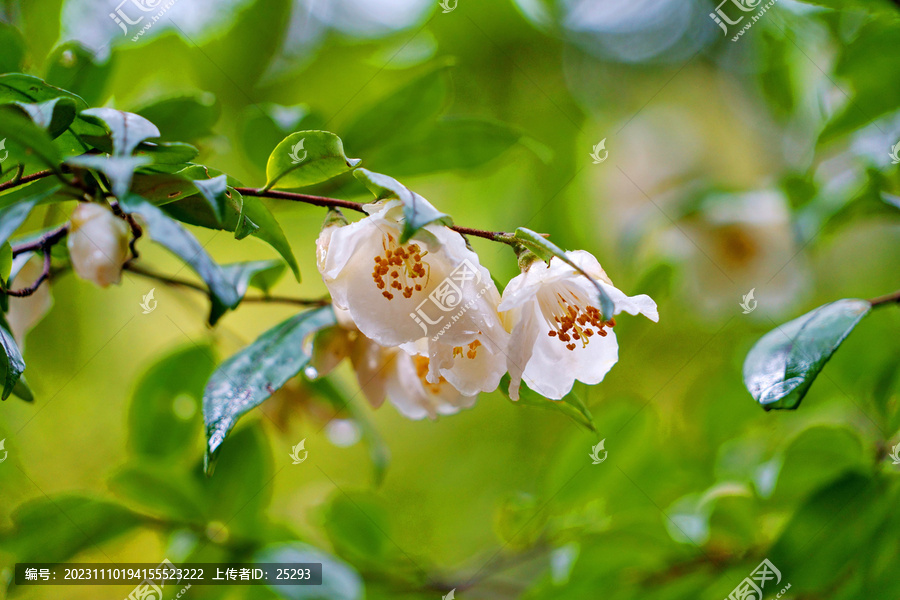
x: 98, y: 244
x: 432, y: 288
x: 559, y: 335
x: 25, y: 313
x: 388, y: 373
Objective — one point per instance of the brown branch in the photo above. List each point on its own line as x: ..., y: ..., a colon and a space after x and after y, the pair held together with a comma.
x: 42, y: 245
x: 496, y: 236
x: 893, y: 298
x: 173, y: 281
x: 17, y: 181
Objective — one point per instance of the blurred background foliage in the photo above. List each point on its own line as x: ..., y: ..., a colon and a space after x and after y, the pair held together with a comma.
x: 759, y: 164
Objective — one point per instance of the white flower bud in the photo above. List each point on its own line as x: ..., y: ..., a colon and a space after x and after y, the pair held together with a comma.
x: 98, y: 244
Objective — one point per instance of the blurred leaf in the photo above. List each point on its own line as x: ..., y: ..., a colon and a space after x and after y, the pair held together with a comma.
x: 170, y: 234
x: 546, y: 250
x: 417, y: 211
x: 783, y: 364
x: 519, y: 521
x: 164, y: 415
x: 400, y: 114
x: 12, y: 49
x: 265, y: 125
x: 452, y: 143
x: 357, y: 526
x: 13, y: 363
x: 570, y: 405
x: 127, y: 129
x: 54, y: 116
x: 56, y: 529
x: 239, y: 492
x: 816, y: 456
x: 249, y: 377
x: 183, y: 118
x: 73, y: 67
x: 262, y: 274
x: 118, y: 169
x: 161, y: 492
x: 25, y: 139
x: 342, y: 582
x: 379, y: 453
x: 306, y: 158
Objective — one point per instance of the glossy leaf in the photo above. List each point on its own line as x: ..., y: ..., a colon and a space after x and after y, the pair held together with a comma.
x: 118, y: 169
x: 782, y: 365
x: 306, y: 158
x: 126, y: 129
x: 213, y: 191
x: 546, y: 250
x: 339, y: 580
x: 24, y: 139
x: 171, y: 234
x: 249, y: 377
x: 417, y: 211
x: 570, y: 405
x: 53, y: 116
x: 13, y: 363
x: 18, y: 205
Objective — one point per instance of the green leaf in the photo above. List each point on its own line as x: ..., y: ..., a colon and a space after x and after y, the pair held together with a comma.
x: 54, y: 116
x: 169, y: 233
x: 26, y: 139
x: 22, y: 390
x: 417, y: 211
x: 13, y: 363
x: 160, y: 492
x: 164, y: 415
x: 213, y: 191
x: 19, y: 204
x: 782, y: 365
x: 73, y: 67
x: 12, y: 49
x: 413, y: 106
x: 306, y: 158
x: 570, y: 405
x: 454, y: 143
x: 264, y: 125
x: 546, y: 250
x: 127, y: 129
x: 248, y: 378
x: 168, y: 153
x: 342, y: 582
x: 183, y: 118
x: 56, y: 529
x: 379, y: 453
x: 357, y: 526
x: 16, y: 87
x: 118, y: 169
x: 262, y: 274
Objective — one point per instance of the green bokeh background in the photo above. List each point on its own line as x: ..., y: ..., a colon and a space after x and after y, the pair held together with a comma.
x: 502, y: 501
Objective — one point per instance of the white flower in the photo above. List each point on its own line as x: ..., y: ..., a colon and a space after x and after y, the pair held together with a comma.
x: 26, y: 312
x: 98, y: 244
x: 559, y: 334
x: 433, y: 288
x: 387, y: 372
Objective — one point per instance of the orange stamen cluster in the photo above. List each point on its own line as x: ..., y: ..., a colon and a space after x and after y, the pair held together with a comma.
x: 470, y: 352
x: 399, y: 268
x: 577, y: 323
x: 421, y: 363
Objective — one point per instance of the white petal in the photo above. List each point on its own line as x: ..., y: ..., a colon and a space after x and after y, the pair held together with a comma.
x: 553, y: 368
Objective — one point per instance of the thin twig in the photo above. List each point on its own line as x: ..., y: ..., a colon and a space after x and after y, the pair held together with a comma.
x: 22, y: 180
x: 893, y: 298
x: 173, y: 281
x: 44, y: 242
x: 496, y: 236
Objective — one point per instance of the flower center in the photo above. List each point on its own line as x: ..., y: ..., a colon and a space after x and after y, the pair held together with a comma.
x: 421, y: 363
x: 571, y: 317
x: 470, y: 351
x: 399, y: 268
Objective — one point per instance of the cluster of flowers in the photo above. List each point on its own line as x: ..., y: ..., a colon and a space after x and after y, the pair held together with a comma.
x: 545, y: 329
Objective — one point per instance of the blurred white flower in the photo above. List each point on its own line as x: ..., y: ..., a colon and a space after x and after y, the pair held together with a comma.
x: 26, y: 312
x: 559, y: 335
x: 98, y: 244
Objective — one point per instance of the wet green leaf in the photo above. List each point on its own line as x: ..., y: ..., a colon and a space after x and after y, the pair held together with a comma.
x: 249, y: 377
x: 782, y: 365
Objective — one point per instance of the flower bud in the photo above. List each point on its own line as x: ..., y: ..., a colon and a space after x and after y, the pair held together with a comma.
x: 98, y: 244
